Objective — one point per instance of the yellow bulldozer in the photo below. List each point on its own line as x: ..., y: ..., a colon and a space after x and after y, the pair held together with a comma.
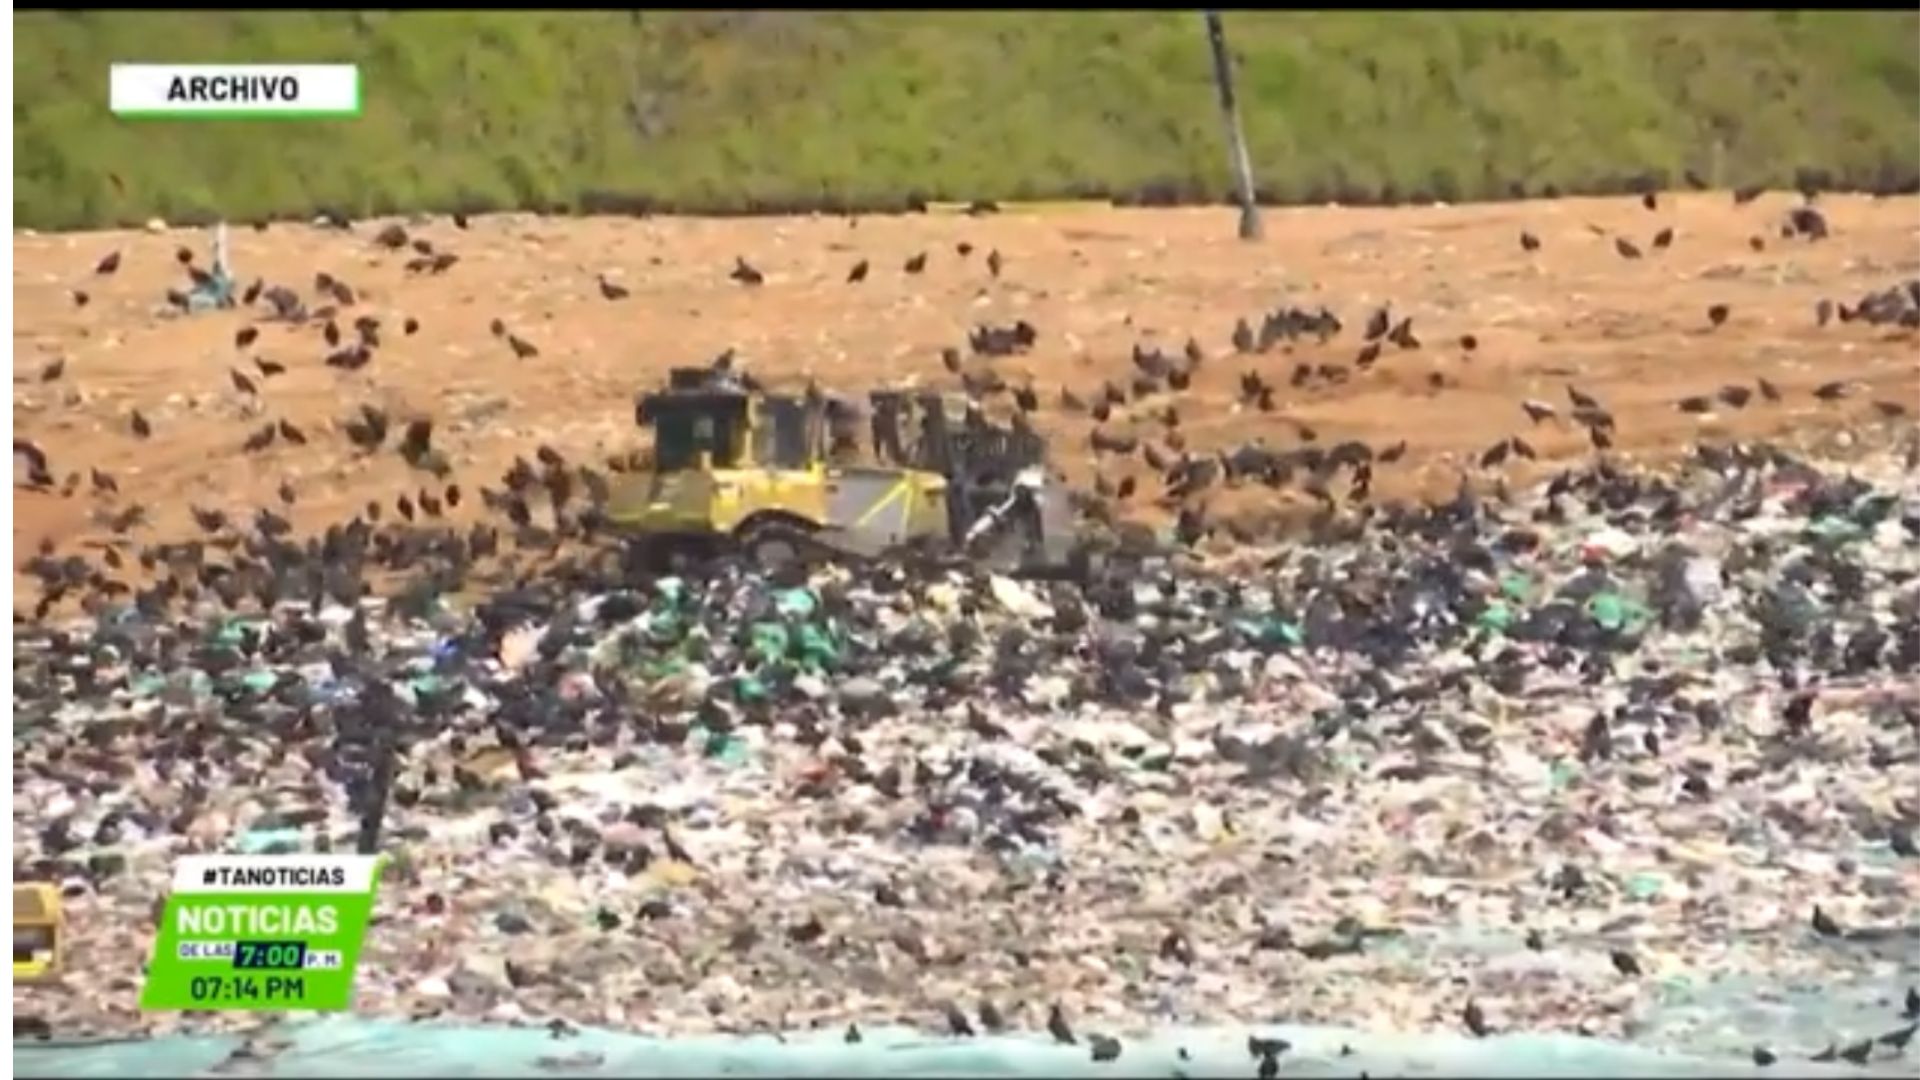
x: 37, y: 930
x: 781, y: 478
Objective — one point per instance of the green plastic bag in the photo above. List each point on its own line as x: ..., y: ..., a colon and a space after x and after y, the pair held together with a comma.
x: 817, y: 648
x: 1270, y: 630
x: 1495, y: 617
x: 1616, y: 612
x: 769, y: 642
x: 796, y: 603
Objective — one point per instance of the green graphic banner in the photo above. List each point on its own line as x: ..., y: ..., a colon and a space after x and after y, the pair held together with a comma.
x: 262, y: 932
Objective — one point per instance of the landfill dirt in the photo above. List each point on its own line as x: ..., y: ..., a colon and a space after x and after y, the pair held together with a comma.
x: 1626, y: 752
x: 1635, y: 333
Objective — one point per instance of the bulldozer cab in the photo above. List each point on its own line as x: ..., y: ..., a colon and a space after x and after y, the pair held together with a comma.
x: 725, y: 428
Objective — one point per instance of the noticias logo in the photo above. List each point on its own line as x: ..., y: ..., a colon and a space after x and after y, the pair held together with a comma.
x: 234, y: 90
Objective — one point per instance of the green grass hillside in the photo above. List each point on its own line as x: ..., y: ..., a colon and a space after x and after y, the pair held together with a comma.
x: 740, y: 111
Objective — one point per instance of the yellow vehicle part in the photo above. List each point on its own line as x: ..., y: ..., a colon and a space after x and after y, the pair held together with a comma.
x: 717, y: 501
x: 38, y: 927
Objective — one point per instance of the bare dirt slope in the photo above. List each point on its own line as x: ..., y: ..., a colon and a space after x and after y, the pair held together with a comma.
x: 1633, y: 332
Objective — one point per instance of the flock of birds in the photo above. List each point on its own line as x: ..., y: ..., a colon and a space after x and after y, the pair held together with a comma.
x: 545, y: 501
x: 1135, y: 418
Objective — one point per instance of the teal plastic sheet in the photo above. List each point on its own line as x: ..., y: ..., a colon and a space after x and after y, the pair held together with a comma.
x: 352, y: 1046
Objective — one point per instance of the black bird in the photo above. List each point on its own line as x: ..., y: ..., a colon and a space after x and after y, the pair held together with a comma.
x: 1735, y: 396
x: 858, y: 273
x: 410, y: 327
x: 1625, y: 247
x: 53, y: 370
x: 1475, y: 1020
x: 1624, y: 962
x: 1258, y: 1047
x: 1057, y: 1025
x: 1535, y: 942
x: 141, y: 429
x: 370, y: 430
x: 242, y: 383
x: 1912, y: 1004
x: 245, y: 336
x: 1717, y: 314
x: 351, y: 359
x: 108, y: 265
x: 1767, y: 389
x: 1824, y: 925
x: 1764, y: 1056
x: 1858, y: 1052
x: 1242, y: 337
x: 1537, y: 410
x: 1580, y: 400
x: 1378, y: 324
x: 1823, y: 312
x: 522, y: 348
x: 917, y: 263
x: 269, y: 368
x: 1901, y: 841
x: 1663, y: 239
x: 1529, y: 242
x: 1650, y: 201
x: 418, y: 440
x: 1104, y: 1047
x: 1832, y: 391
x: 1696, y: 404
x: 957, y: 1023
x: 746, y: 274
x: 1829, y: 1054
x: 612, y: 291
x: 1402, y: 334
x: 990, y: 1017
x: 1807, y: 222
x: 292, y: 434
x: 994, y: 262
x: 1898, y: 1039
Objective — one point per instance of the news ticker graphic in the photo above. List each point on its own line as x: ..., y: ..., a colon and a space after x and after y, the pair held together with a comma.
x: 262, y: 932
x: 234, y: 91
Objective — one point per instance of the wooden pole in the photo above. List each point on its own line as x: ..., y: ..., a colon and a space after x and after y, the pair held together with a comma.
x: 1236, y: 141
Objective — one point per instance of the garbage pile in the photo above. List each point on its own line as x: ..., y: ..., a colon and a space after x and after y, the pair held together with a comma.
x: 1662, y: 719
